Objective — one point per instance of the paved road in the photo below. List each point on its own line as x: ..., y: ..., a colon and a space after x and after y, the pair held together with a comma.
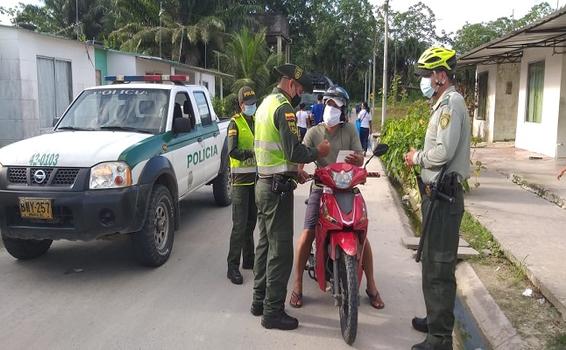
x: 94, y: 296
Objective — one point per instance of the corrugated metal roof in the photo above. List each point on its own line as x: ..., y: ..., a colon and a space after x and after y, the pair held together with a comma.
x: 547, y: 32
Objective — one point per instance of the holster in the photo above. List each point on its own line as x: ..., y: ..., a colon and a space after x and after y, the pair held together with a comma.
x: 282, y: 184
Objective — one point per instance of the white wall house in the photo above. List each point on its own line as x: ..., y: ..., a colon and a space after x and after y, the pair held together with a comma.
x: 39, y: 77
x: 521, y: 84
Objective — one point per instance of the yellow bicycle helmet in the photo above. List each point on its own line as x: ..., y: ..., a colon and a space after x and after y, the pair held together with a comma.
x: 436, y: 58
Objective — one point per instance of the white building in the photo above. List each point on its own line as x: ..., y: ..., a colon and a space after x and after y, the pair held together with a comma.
x: 40, y: 74
x: 521, y: 80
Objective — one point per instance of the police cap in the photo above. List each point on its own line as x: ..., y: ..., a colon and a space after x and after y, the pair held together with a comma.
x: 297, y: 73
x: 247, y: 96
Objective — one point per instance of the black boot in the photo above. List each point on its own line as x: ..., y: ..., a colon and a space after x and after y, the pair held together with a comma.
x: 234, y: 275
x: 420, y: 324
x: 279, y: 321
x: 425, y: 345
x: 256, y: 309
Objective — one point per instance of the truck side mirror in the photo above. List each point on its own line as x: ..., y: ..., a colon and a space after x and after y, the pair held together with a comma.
x: 181, y: 125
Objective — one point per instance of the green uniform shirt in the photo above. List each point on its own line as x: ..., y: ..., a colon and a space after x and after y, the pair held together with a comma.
x: 294, y: 150
x: 237, y: 153
x: 345, y: 137
x: 447, y: 139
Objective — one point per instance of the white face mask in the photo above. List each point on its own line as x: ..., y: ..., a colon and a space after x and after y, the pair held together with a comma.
x: 331, y: 116
x: 426, y: 87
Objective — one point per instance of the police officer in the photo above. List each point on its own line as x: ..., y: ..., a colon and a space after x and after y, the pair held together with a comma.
x: 446, y: 154
x: 278, y: 150
x: 243, y: 169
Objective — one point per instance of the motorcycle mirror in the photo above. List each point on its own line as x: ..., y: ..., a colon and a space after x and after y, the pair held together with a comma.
x: 380, y: 149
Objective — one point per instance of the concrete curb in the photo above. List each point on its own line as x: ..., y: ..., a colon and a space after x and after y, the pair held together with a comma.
x: 492, y: 323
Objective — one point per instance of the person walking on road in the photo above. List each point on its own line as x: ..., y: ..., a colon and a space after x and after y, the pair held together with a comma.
x: 317, y: 110
x: 302, y: 121
x: 278, y: 150
x: 244, y: 172
x: 365, y: 126
x: 342, y: 136
x: 445, y: 164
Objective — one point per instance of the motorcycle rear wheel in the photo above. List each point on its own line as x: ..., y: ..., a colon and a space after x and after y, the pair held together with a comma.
x: 348, y: 281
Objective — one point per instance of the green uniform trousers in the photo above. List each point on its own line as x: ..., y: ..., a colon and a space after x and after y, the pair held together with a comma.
x: 244, y: 214
x: 440, y: 252
x: 274, y: 251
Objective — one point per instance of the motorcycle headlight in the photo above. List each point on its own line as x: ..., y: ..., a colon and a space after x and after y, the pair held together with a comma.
x: 342, y: 179
x: 110, y: 175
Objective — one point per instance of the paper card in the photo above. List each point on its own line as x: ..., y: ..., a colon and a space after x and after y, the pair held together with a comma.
x: 342, y: 156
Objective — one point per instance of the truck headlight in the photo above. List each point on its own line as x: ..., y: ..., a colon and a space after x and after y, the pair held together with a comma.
x: 110, y: 175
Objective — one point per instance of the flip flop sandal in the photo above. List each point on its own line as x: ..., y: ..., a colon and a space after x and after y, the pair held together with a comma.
x: 375, y: 300
x: 296, y: 299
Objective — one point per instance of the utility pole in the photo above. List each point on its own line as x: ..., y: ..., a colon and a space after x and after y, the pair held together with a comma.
x: 384, y: 98
x: 373, y: 81
x: 77, y: 18
x: 160, y: 30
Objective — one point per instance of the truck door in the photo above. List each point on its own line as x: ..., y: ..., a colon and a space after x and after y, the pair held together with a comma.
x: 209, y: 136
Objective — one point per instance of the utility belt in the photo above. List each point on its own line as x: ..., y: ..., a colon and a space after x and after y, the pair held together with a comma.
x: 445, y: 188
x: 280, y: 184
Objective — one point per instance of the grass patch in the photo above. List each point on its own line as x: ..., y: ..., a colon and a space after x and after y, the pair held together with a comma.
x: 558, y: 342
x: 478, y: 236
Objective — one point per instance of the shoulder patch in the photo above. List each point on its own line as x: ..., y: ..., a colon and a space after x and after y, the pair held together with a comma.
x: 444, y: 120
x: 289, y: 116
x: 232, y: 132
x: 281, y: 98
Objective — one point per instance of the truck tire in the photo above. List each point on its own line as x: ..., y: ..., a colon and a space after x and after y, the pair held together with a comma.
x: 25, y: 249
x: 154, y: 242
x: 222, y: 188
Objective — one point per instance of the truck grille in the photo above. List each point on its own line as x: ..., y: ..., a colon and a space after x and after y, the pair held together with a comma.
x: 43, y: 176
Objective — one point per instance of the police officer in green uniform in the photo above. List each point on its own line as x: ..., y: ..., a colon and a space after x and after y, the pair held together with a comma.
x: 445, y: 164
x: 243, y: 169
x: 278, y: 150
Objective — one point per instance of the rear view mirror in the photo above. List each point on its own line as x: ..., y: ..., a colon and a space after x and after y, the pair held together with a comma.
x: 181, y: 125
x: 380, y: 149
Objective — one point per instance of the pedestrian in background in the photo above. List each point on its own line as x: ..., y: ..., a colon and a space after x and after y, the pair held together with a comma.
x: 278, y: 150
x: 365, y: 126
x: 243, y: 172
x: 302, y: 121
x: 317, y: 110
x: 445, y: 164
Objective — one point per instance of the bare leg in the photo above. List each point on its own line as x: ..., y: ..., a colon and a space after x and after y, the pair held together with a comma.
x: 367, y: 264
x: 301, y: 256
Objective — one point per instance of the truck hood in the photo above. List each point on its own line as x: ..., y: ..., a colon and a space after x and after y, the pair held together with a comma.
x: 69, y: 148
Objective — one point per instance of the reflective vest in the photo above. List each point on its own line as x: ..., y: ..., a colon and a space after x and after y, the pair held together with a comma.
x: 269, y: 152
x: 245, y: 142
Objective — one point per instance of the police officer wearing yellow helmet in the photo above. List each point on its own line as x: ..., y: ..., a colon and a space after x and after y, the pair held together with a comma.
x: 243, y: 170
x: 278, y: 151
x: 445, y: 164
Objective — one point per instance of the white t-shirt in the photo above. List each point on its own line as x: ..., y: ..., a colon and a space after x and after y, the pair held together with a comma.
x: 302, y: 117
x: 365, y: 117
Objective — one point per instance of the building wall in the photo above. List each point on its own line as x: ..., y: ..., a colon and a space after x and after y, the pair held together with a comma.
x: 484, y: 128
x: 101, y: 64
x: 144, y: 66
x: 120, y: 64
x: 209, y: 79
x: 561, y: 132
x: 19, y: 49
x: 506, y: 93
x: 540, y: 137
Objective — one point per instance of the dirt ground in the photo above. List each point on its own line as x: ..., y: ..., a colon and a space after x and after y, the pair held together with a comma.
x: 537, y: 321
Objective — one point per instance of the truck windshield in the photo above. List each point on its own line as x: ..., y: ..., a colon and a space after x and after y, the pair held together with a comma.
x: 118, y: 109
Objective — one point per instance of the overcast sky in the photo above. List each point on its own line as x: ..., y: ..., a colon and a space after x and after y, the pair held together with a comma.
x: 450, y: 15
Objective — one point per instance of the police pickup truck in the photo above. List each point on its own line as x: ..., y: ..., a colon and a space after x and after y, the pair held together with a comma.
x: 118, y: 161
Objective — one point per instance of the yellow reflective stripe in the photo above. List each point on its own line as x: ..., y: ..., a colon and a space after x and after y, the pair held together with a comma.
x: 267, y: 145
x: 277, y: 169
x: 248, y: 170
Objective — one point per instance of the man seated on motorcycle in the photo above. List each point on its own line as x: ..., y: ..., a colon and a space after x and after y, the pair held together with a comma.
x: 342, y: 136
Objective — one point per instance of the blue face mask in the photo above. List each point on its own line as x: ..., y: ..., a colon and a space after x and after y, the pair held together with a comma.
x: 426, y: 87
x: 249, y: 110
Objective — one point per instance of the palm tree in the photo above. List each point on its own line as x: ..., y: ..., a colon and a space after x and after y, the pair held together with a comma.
x: 248, y: 58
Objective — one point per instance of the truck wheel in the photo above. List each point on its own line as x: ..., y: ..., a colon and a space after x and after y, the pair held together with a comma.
x: 25, y: 249
x: 153, y: 244
x: 222, y: 188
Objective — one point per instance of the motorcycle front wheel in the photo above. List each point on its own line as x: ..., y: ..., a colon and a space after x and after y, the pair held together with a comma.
x: 348, y: 280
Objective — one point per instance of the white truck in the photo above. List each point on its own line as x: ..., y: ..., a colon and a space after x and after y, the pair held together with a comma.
x: 118, y: 161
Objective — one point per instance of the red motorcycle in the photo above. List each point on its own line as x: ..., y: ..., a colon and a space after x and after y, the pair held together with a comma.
x: 341, y: 236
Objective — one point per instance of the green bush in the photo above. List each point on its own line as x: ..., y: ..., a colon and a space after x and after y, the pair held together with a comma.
x: 403, y: 134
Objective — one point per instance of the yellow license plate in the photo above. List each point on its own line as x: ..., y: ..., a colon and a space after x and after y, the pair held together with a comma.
x: 36, y: 208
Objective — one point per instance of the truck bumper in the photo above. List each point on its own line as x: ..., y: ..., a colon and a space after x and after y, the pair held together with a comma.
x: 81, y: 216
